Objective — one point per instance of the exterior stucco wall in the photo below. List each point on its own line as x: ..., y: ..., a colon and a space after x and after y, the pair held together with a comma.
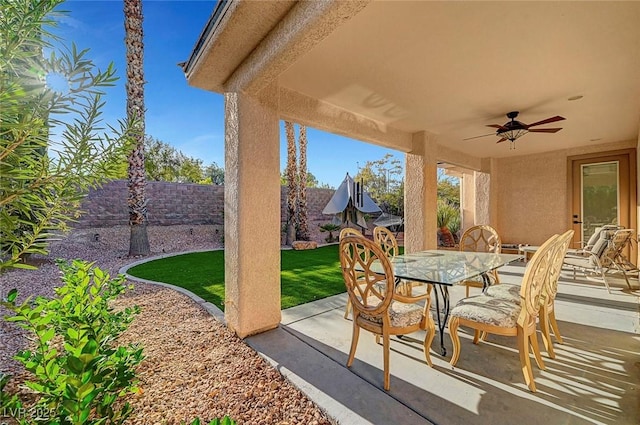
x: 532, y: 200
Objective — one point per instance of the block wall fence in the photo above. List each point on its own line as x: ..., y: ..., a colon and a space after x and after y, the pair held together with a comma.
x: 172, y: 204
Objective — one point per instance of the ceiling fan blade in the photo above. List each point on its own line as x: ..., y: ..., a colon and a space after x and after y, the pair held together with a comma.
x: 545, y: 130
x: 476, y: 137
x: 495, y: 126
x: 548, y: 120
x: 502, y: 140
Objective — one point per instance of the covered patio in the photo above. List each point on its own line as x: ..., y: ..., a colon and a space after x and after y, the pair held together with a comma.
x: 594, y: 378
x: 425, y: 78
x: 435, y: 80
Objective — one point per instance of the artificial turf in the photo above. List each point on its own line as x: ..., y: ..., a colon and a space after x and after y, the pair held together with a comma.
x: 305, y: 275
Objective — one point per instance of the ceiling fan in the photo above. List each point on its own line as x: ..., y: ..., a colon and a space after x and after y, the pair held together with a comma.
x: 515, y: 129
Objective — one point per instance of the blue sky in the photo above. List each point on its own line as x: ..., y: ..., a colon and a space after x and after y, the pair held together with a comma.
x: 190, y: 119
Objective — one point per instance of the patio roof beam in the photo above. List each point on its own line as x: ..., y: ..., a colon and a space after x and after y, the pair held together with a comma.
x: 306, y: 25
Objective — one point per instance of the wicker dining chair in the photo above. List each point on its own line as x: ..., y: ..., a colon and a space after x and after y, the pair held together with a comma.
x: 377, y: 307
x: 348, y: 231
x: 389, y: 244
x: 487, y: 314
x: 386, y: 240
x: 481, y: 238
x: 547, y: 316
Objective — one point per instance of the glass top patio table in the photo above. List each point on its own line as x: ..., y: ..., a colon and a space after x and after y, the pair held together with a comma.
x: 443, y: 269
x: 448, y: 268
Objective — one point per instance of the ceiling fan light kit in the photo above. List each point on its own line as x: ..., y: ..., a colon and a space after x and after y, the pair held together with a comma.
x: 513, y: 129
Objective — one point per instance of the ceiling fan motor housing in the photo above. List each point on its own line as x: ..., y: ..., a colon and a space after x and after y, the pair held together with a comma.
x: 513, y: 124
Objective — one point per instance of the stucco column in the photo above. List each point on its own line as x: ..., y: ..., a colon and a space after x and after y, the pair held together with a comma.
x: 486, y: 193
x: 468, y: 199
x: 421, y: 194
x: 252, y: 212
x: 482, y: 197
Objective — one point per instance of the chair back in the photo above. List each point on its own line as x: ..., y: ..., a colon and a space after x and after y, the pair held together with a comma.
x: 609, y: 247
x: 551, y: 288
x: 599, y: 232
x: 535, y: 278
x: 386, y: 241
x: 349, y: 231
x: 481, y: 238
x: 368, y: 291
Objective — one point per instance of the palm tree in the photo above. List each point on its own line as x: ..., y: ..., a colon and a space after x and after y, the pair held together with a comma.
x: 292, y: 194
x: 136, y: 202
x: 303, y: 227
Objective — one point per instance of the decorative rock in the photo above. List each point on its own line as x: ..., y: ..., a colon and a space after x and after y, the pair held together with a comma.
x: 299, y: 245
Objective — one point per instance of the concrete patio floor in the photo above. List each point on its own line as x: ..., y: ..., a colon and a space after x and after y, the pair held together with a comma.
x: 594, y: 379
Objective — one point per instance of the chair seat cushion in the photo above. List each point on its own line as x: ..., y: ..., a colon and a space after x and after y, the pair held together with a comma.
x: 488, y: 310
x: 401, y: 315
x: 505, y: 291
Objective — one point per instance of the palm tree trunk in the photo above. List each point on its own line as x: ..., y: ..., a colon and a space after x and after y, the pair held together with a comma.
x: 291, y: 180
x: 303, y: 227
x: 136, y: 202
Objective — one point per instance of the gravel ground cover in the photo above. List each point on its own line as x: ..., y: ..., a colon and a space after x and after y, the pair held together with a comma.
x: 194, y: 366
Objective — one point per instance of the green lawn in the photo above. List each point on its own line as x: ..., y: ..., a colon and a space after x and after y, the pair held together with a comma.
x: 306, y: 275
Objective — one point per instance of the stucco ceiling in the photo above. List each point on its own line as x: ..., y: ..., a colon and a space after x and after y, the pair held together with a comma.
x: 451, y: 68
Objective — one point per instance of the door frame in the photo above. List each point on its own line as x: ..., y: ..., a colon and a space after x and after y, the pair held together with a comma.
x: 631, y: 188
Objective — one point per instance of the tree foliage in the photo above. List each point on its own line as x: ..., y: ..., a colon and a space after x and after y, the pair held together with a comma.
x: 54, y: 146
x: 383, y: 180
x: 215, y: 174
x: 163, y: 162
x: 312, y: 181
x: 448, y: 188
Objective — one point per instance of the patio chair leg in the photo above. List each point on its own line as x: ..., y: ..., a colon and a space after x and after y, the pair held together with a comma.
x: 604, y: 279
x: 525, y: 361
x: 387, y: 350
x: 428, y: 339
x: 455, y: 339
x: 626, y: 278
x: 536, y: 350
x: 546, y: 336
x: 354, y: 343
x: 554, y: 326
x: 478, y: 335
x: 346, y: 311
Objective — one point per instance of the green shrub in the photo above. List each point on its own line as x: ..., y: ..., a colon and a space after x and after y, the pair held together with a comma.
x: 454, y: 225
x: 445, y: 213
x: 330, y: 227
x: 79, y: 372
